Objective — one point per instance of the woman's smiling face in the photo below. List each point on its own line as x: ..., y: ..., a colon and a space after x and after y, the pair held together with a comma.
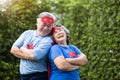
x: 59, y: 35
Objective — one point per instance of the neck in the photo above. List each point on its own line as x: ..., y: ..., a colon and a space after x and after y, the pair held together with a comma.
x: 39, y: 34
x: 63, y: 44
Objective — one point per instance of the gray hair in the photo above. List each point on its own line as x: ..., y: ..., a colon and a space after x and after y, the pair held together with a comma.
x: 46, y: 14
x: 66, y: 30
x: 51, y: 15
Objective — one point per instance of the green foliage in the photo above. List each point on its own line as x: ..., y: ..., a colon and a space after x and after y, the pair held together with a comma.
x: 94, y: 26
x: 18, y: 16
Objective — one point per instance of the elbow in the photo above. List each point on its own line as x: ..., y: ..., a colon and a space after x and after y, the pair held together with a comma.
x: 11, y: 51
x: 85, y: 60
x: 61, y: 67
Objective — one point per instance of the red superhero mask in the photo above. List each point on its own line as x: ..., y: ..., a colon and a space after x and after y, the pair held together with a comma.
x: 46, y: 19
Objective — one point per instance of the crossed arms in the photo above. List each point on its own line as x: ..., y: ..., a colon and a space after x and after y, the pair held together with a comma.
x: 22, y: 53
x: 69, y: 64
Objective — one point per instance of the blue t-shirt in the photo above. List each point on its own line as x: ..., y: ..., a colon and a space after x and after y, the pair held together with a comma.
x: 70, y: 51
x: 40, y: 46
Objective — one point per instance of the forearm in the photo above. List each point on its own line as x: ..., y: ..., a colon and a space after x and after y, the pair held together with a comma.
x: 28, y: 53
x: 69, y: 67
x: 18, y: 53
x: 62, y: 64
x: 80, y: 60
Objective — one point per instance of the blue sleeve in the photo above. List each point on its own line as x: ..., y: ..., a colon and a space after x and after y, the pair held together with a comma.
x: 43, y: 49
x: 55, y: 52
x: 19, y: 42
x: 76, y: 50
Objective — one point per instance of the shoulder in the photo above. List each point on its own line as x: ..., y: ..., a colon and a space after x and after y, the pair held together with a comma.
x: 73, y: 46
x: 28, y: 31
x: 55, y: 46
x: 47, y: 39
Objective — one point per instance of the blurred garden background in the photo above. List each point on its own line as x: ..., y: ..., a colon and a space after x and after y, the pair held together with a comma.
x: 94, y: 28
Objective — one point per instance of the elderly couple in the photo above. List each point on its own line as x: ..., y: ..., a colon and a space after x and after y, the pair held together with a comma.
x: 48, y: 41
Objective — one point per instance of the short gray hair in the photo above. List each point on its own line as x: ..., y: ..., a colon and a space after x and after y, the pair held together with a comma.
x: 46, y: 14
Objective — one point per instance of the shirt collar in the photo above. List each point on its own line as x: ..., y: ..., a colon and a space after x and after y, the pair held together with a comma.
x: 35, y: 34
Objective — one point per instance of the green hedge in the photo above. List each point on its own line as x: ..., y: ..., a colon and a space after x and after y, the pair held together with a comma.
x: 94, y: 27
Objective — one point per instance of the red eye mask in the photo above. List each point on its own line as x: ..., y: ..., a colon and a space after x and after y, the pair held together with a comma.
x: 55, y: 28
x: 46, y: 19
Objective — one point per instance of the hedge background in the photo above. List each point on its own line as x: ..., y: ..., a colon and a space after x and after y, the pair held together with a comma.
x: 94, y: 27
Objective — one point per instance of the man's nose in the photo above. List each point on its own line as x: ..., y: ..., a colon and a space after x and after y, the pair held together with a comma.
x: 46, y: 27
